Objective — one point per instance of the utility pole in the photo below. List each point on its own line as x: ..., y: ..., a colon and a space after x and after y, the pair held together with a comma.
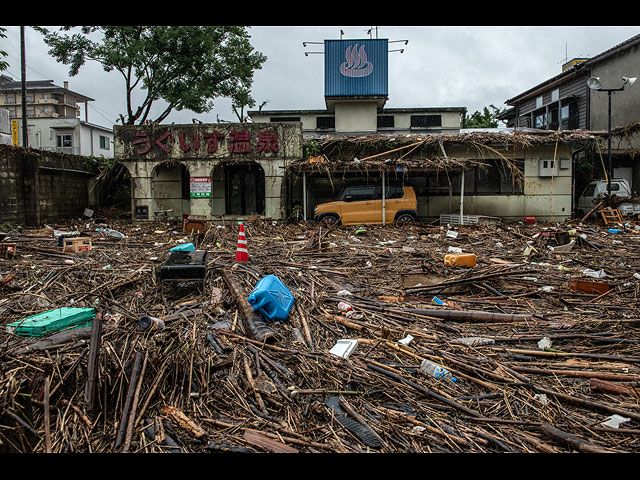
x: 25, y: 136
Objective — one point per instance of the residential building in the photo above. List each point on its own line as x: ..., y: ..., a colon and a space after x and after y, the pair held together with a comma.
x: 5, y: 127
x: 53, y: 118
x: 565, y: 102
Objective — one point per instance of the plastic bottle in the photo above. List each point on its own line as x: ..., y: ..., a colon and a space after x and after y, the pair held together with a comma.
x: 436, y: 371
x: 344, y: 307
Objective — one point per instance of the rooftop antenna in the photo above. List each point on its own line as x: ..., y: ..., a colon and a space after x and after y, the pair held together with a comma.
x: 369, y: 32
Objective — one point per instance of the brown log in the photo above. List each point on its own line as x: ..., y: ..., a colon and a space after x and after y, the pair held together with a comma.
x: 126, y: 410
x: 621, y: 377
x: 591, y: 404
x: 56, y: 340
x: 92, y: 361
x: 181, y: 419
x: 256, y: 438
x: 573, y: 441
x: 426, y: 391
x: 597, y: 385
x: 474, y: 316
x: 584, y: 219
x: 253, y: 322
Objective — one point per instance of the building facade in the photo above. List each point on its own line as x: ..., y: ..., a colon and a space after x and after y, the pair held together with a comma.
x: 367, y: 118
x: 287, y: 160
x: 53, y: 118
x: 565, y: 102
x: 214, y: 171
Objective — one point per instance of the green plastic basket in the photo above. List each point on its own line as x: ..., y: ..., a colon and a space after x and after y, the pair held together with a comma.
x: 52, y: 321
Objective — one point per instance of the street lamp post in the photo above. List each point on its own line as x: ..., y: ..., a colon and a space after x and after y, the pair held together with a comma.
x: 594, y: 84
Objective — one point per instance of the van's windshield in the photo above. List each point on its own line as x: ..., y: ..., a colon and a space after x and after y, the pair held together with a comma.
x: 589, y: 190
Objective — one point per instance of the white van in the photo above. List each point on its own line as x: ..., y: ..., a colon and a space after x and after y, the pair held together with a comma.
x: 596, y: 190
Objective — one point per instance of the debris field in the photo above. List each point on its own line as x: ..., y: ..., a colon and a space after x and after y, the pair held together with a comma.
x: 540, y: 338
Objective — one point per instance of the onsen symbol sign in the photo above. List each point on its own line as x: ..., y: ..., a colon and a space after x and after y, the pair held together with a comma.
x: 356, y: 64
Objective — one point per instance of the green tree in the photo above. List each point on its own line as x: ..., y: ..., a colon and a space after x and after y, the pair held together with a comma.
x: 3, y: 65
x: 185, y: 66
x: 486, y: 119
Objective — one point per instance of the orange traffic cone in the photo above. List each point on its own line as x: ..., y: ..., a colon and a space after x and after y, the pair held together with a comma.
x: 242, y: 255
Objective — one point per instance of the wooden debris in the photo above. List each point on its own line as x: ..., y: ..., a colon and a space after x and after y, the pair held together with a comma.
x: 547, y: 368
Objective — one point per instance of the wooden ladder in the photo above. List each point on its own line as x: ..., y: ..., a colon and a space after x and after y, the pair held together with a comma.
x: 611, y: 216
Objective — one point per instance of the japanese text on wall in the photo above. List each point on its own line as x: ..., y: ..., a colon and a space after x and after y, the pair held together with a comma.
x: 238, y: 142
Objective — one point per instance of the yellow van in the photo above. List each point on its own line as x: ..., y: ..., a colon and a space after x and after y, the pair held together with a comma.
x: 363, y: 204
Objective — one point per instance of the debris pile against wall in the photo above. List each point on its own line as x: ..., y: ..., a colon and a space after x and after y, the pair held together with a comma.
x: 385, y: 348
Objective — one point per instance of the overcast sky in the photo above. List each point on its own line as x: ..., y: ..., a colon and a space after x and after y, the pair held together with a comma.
x: 451, y: 66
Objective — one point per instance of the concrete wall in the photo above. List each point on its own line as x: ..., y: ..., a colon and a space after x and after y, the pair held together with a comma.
x: 307, y: 117
x: 11, y: 191
x: 142, y: 149
x: 548, y: 198
x: 450, y: 120
x: 625, y: 105
x: 356, y: 117
x: 38, y: 187
x: 360, y: 116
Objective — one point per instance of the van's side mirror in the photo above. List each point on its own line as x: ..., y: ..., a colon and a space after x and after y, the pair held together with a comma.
x: 348, y: 198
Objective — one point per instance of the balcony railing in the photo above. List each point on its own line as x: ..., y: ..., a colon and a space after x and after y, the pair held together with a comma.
x: 68, y: 150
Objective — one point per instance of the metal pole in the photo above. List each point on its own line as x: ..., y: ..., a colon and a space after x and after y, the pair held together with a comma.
x: 462, y: 198
x: 304, y: 195
x: 383, y: 200
x: 609, y: 147
x: 25, y: 133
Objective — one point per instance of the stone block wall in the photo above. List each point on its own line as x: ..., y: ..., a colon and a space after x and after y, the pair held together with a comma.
x: 37, y: 187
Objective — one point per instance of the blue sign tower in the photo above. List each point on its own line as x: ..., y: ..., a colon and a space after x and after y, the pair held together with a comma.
x: 356, y: 68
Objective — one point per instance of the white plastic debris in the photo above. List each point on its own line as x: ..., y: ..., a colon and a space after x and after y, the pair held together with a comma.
x: 563, y: 248
x: 406, y: 340
x: 614, y: 421
x: 476, y: 341
x: 587, y: 272
x: 343, y: 348
x: 454, y: 249
x: 452, y: 234
x: 344, y: 293
x: 541, y: 397
x: 544, y: 343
